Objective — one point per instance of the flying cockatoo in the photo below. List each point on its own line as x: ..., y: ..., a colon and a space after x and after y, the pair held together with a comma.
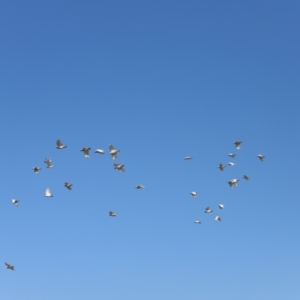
x: 48, y: 193
x: 119, y: 167
x: 60, y: 145
x: 188, y: 158
x: 8, y: 266
x: 261, y: 157
x: 238, y: 144
x: 231, y: 155
x: 246, y: 177
x: 231, y: 164
x: 218, y: 218
x: 86, y: 152
x: 221, y: 206
x: 99, y: 151
x: 113, y: 152
x: 221, y: 167
x: 139, y: 187
x: 194, y: 194
x: 208, y: 210
x: 112, y: 214
x: 15, y: 202
x: 197, y: 222
x: 48, y: 161
x: 233, y: 182
x: 36, y: 169
x: 68, y: 185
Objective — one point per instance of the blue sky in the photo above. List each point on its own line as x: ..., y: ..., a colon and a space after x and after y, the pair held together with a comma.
x: 159, y: 80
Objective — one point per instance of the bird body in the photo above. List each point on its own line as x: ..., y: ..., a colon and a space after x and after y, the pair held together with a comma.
x: 139, y: 187
x: 261, y: 157
x: 188, y: 158
x: 36, y: 169
x: 112, y: 214
x: 15, y: 202
x: 231, y: 164
x: 8, y: 266
x: 238, y: 144
x: 86, y: 152
x: 119, y: 167
x: 221, y: 206
x: 194, y: 194
x: 208, y: 210
x: 113, y: 152
x: 233, y: 182
x: 68, y: 185
x: 231, y: 155
x: 246, y: 177
x: 60, y: 145
x: 48, y: 161
x: 48, y: 193
x: 99, y: 151
x: 218, y: 218
x: 221, y: 167
x: 197, y: 222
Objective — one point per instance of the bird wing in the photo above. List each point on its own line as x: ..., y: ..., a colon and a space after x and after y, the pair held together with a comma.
x: 111, y: 147
x: 59, y: 143
x: 47, y: 192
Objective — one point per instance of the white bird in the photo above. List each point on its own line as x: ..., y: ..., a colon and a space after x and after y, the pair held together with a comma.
x: 86, y: 152
x: 60, y: 145
x: 68, y: 185
x: 8, y: 266
x: 231, y: 155
x: 99, y: 151
x: 194, y: 194
x: 261, y: 157
x: 188, y: 158
x: 139, y: 187
x: 233, y: 182
x: 36, y: 170
x: 221, y: 167
x: 113, y: 152
x: 48, y: 161
x: 112, y: 214
x: 218, y: 218
x: 15, y: 202
x: 48, y: 193
x: 238, y: 144
x: 221, y: 206
x: 231, y: 164
x: 197, y: 222
x: 208, y: 210
x: 246, y: 177
x: 119, y: 167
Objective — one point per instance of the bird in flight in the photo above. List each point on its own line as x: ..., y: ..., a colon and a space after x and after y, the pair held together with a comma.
x: 194, y: 194
x: 139, y: 187
x: 231, y: 155
x: 60, y: 145
x: 188, y: 158
x: 119, y: 167
x: 113, y: 152
x: 221, y: 167
x: 238, y: 144
x: 218, y: 218
x: 197, y: 222
x: 48, y: 161
x: 246, y: 177
x: 233, y: 182
x: 48, y: 193
x: 99, y: 151
x: 15, y: 202
x: 221, y: 206
x: 231, y: 164
x: 8, y: 266
x: 208, y: 210
x: 86, y: 152
x: 68, y: 185
x: 261, y: 157
x: 36, y: 170
x: 112, y: 214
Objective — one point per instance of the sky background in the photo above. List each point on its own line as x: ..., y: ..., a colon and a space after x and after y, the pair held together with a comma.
x: 159, y: 80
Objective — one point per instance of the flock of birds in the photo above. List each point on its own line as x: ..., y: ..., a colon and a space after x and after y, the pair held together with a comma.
x: 114, y: 153
x: 232, y: 183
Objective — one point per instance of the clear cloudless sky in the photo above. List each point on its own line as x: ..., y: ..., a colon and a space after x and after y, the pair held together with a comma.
x: 159, y: 80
